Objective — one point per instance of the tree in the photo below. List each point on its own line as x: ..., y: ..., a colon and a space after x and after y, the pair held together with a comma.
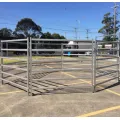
x: 18, y: 35
x: 46, y: 35
x: 52, y: 44
x: 28, y: 28
x: 5, y: 33
x: 56, y: 36
x: 62, y: 37
x: 108, y: 27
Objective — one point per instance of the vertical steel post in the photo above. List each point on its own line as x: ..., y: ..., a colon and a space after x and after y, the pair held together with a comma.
x: 118, y: 56
x: 1, y: 61
x: 97, y: 52
x: 92, y: 64
x: 61, y: 56
x: 94, y: 50
x: 28, y: 65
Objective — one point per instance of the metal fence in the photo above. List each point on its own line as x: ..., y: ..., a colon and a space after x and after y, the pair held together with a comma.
x: 107, y: 60
x: 44, y: 57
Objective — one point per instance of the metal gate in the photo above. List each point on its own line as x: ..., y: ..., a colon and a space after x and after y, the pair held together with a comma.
x: 41, y: 64
x: 107, y: 61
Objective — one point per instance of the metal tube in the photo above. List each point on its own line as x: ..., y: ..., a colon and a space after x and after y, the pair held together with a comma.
x: 107, y: 66
x: 14, y: 84
x: 28, y: 58
x: 61, y: 57
x: 66, y: 40
x: 64, y: 43
x: 14, y: 49
x: 106, y: 81
x: 104, y: 58
x: 92, y: 82
x: 107, y: 55
x: 61, y: 78
x: 58, y: 50
x: 106, y: 42
x: 30, y: 68
x: 94, y: 68
x: 118, y: 55
x: 23, y: 43
x: 14, y: 75
x: 65, y: 69
x: 107, y: 49
x: 14, y: 67
x: 45, y: 61
x: 106, y: 74
x: 1, y: 62
x: 13, y: 40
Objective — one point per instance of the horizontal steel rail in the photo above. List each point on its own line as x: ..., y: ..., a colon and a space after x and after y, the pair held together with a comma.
x: 107, y: 55
x: 106, y: 81
x: 106, y: 73
x: 13, y: 40
x: 49, y: 54
x: 17, y: 58
x: 77, y: 54
x: 106, y: 66
x: 104, y: 58
x: 64, y: 44
x: 76, y: 63
x: 45, y: 88
x: 23, y: 43
x: 59, y: 50
x: 64, y: 69
x: 63, y: 64
x: 62, y: 78
x: 14, y: 49
x: 14, y: 75
x: 9, y: 66
x: 107, y: 42
x: 38, y: 43
x: 79, y: 43
x: 34, y: 39
x: 46, y: 61
x: 15, y: 84
x: 107, y: 49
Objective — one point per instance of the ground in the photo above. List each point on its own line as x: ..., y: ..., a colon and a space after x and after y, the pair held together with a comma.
x: 73, y: 100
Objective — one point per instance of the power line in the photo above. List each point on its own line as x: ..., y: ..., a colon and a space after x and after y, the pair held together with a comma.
x: 65, y: 30
x: 8, y: 23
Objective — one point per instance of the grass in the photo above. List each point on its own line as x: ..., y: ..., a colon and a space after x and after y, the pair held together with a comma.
x: 7, y: 61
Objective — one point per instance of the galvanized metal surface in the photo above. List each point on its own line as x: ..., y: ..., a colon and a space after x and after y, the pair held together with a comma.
x: 94, y: 59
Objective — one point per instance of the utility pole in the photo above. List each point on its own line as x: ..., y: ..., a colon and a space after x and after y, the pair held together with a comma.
x: 75, y: 33
x: 115, y: 13
x: 87, y: 32
x: 78, y: 21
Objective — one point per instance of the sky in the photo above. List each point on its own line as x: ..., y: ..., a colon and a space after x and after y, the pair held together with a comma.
x: 58, y: 17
